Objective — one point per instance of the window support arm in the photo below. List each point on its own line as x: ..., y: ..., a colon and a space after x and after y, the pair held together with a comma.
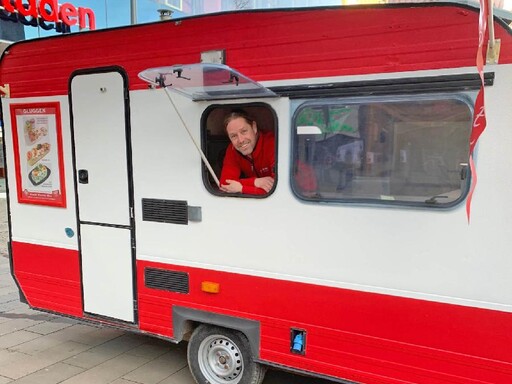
x: 201, y: 153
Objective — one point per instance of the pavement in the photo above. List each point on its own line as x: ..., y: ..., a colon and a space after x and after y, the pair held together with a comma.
x: 42, y: 348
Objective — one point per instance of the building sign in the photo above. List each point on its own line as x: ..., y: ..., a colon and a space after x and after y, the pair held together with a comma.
x: 38, y: 157
x: 47, y: 14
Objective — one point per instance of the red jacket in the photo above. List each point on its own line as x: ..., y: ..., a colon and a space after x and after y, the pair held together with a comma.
x: 246, y: 169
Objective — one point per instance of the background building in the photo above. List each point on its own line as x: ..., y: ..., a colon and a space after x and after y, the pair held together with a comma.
x: 11, y: 31
x: 114, y: 13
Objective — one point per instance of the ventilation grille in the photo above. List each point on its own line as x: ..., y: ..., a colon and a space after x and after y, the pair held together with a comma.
x: 165, y: 211
x: 167, y: 280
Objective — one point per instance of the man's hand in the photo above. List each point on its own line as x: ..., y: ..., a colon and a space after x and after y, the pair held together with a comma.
x: 265, y: 183
x: 232, y: 186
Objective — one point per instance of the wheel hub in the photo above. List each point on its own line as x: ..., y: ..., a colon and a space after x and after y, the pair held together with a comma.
x: 221, y: 360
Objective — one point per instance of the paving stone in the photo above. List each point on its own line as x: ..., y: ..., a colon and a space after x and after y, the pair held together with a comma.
x: 106, y: 351
x: 16, y: 338
x: 45, y: 328
x: 26, y: 364
x: 33, y: 347
x: 153, y: 348
x: 17, y: 324
x: 64, y: 350
x: 183, y: 376
x: 23, y: 365
x: 84, y: 335
x: 7, y: 284
x: 34, y: 312
x: 81, y: 333
x: 69, y: 320
x: 97, y: 336
x: 7, y: 356
x: 121, y: 381
x: 108, y: 371
x: 3, y: 319
x: 25, y: 313
x: 6, y: 280
x: 6, y: 289
x: 9, y: 294
x: 9, y: 301
x: 11, y: 305
x: 50, y: 375
x: 158, y: 369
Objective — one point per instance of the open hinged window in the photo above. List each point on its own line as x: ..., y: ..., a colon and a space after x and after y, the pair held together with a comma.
x: 205, y: 82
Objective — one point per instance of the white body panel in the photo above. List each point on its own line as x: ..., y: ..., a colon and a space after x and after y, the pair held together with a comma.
x: 434, y: 255
x: 38, y: 224
x: 107, y: 272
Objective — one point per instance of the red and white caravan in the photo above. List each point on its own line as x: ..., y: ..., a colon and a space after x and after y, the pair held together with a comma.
x: 359, y: 265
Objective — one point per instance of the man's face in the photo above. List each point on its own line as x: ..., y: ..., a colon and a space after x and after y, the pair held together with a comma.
x: 242, y: 135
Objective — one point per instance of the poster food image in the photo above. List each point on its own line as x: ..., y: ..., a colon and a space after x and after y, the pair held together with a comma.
x: 38, y: 153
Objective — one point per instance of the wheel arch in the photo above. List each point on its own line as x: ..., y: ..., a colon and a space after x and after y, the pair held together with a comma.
x: 185, y: 320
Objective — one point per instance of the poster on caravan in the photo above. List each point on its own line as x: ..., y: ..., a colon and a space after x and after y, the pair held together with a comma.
x: 37, y: 141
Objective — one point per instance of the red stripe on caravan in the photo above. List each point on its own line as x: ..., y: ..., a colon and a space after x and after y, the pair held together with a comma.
x: 49, y: 277
x: 359, y: 336
x: 264, y: 45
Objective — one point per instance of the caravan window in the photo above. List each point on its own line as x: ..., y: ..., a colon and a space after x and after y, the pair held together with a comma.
x: 216, y: 144
x: 412, y: 150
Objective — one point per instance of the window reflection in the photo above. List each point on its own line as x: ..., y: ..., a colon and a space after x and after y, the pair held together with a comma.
x: 410, y: 150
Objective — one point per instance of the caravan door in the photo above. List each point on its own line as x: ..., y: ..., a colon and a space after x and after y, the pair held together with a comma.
x: 100, y: 113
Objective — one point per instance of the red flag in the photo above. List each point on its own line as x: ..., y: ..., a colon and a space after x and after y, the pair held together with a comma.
x: 479, y: 119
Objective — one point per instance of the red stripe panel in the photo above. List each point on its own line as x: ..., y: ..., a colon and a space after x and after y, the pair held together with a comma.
x: 49, y: 277
x: 264, y: 45
x: 365, y: 337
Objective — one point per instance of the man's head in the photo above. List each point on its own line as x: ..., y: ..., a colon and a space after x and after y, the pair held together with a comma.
x: 242, y: 131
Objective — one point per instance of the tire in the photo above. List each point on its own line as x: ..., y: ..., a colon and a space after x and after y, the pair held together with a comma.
x: 222, y: 356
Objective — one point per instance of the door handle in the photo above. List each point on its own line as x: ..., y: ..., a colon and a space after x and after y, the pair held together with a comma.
x: 83, y: 176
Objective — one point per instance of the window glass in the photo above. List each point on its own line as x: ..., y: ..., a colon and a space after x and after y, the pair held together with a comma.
x: 406, y: 151
x: 205, y: 81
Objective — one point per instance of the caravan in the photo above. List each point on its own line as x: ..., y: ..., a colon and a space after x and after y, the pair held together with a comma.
x: 359, y: 265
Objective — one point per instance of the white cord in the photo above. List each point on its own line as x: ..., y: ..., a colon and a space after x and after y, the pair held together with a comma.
x: 206, y: 162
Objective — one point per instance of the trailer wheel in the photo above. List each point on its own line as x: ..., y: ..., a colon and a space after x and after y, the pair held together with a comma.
x: 222, y: 356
